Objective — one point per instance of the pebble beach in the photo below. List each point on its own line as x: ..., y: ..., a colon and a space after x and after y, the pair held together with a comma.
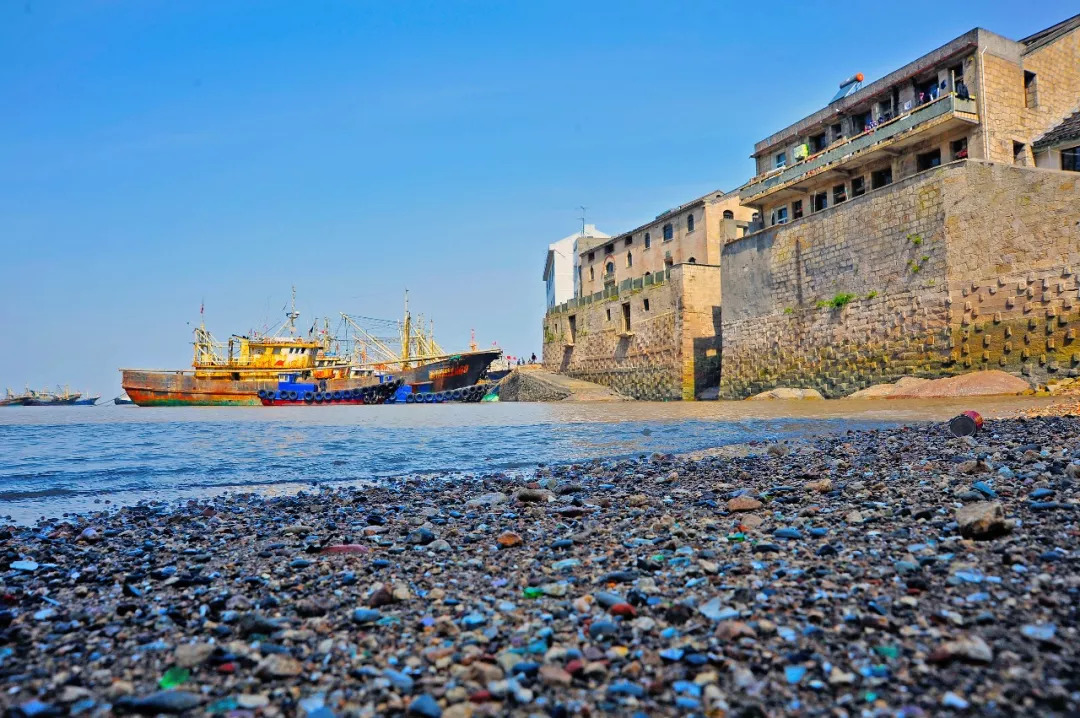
x: 892, y: 572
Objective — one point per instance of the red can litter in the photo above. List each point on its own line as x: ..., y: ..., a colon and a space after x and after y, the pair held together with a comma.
x: 967, y: 424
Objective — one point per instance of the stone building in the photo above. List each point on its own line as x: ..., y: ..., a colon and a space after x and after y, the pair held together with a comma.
x: 980, y: 96
x: 916, y: 226
x: 561, y: 265
x: 646, y: 321
x: 692, y: 233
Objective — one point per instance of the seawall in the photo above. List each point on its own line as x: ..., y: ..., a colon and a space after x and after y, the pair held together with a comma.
x: 967, y: 266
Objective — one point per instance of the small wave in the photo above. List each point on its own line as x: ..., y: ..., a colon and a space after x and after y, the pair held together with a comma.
x: 42, y: 494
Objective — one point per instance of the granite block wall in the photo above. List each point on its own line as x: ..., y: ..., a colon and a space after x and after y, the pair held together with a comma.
x: 923, y: 278
x: 670, y: 351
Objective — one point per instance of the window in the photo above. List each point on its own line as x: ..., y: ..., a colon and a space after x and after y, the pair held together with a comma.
x: 1070, y: 159
x: 667, y: 260
x: 608, y: 314
x: 609, y: 268
x: 1031, y: 89
x: 610, y: 248
x: 881, y: 178
x: 592, y: 273
x: 1019, y: 156
x: 645, y: 304
x: 779, y: 215
x: 626, y: 317
x: 573, y: 327
x: 629, y: 259
x: 692, y: 261
x: 796, y: 209
x: 821, y: 201
x: 669, y: 232
x: 839, y: 194
x: 860, y: 122
x: 927, y: 160
x: 858, y: 186
x: 781, y: 160
x: 648, y: 240
x: 629, y: 241
x: 959, y: 148
x: 728, y: 214
x: 690, y: 222
x: 819, y: 142
x: 592, y: 256
x: 837, y: 131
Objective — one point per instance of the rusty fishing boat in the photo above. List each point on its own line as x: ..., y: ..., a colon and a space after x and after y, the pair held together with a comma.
x: 267, y: 369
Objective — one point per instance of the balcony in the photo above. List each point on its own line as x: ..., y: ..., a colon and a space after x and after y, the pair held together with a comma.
x: 941, y: 115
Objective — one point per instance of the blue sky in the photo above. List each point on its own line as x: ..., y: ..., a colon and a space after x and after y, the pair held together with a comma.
x: 155, y: 154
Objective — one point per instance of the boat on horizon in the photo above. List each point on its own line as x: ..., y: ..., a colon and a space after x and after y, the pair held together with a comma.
x: 123, y: 400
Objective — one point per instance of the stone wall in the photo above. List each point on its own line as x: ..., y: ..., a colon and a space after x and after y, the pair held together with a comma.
x: 672, y: 348
x: 1006, y: 115
x: 922, y: 277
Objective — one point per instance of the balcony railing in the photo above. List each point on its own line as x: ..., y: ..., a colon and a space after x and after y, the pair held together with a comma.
x: 836, y: 153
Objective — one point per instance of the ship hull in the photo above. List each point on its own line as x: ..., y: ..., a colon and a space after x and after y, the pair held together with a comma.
x: 178, y: 388
x: 456, y: 372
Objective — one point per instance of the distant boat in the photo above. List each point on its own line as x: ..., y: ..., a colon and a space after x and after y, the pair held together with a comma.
x: 122, y: 400
x: 63, y: 397
x: 86, y: 400
x: 13, y: 399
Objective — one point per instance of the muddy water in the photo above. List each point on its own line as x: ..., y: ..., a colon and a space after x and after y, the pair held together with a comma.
x: 73, y: 459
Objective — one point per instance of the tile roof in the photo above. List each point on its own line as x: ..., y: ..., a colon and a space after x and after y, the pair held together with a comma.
x: 1069, y: 129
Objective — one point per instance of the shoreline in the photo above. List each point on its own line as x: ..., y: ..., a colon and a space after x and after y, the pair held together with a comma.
x: 783, y: 581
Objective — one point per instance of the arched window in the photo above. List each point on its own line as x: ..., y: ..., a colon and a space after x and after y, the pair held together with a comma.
x: 692, y: 260
x: 648, y: 240
x: 728, y: 214
x: 669, y: 232
x: 690, y: 222
x: 610, y: 267
x: 629, y: 259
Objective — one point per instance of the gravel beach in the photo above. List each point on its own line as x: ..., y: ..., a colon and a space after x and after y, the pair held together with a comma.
x: 898, y: 572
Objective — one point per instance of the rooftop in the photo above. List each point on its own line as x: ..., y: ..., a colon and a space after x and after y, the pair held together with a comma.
x: 1069, y: 129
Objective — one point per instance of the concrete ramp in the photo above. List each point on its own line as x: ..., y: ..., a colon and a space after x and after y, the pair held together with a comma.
x: 531, y: 383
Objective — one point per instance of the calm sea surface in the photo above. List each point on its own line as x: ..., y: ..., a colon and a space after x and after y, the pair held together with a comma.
x: 73, y: 459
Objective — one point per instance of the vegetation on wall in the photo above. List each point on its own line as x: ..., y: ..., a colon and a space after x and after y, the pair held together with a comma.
x: 839, y: 301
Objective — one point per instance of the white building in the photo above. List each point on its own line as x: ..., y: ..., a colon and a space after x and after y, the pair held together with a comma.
x: 560, y: 269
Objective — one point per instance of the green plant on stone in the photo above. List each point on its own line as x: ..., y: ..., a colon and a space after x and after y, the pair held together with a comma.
x: 837, y: 302
x: 871, y: 294
x: 915, y: 239
x: 789, y: 310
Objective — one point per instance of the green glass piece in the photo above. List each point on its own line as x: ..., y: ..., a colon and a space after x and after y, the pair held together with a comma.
x: 174, y: 677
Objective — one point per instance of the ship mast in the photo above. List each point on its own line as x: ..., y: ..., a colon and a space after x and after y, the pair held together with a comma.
x: 292, y: 314
x: 406, y: 334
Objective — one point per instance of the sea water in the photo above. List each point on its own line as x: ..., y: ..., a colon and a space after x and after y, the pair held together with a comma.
x: 77, y: 459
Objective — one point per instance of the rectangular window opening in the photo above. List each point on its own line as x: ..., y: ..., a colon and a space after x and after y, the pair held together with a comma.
x: 1070, y: 159
x: 780, y: 215
x: 1031, y: 89
x: 645, y: 304
x: 959, y: 148
x: 819, y: 142
x: 839, y: 194
x: 796, y: 209
x: 858, y: 186
x: 629, y: 241
x: 881, y: 178
x: 781, y: 160
x: 821, y: 201
x: 928, y: 160
x: 608, y: 314
x: 1018, y: 153
x: 573, y: 327
x: 626, y: 317
x: 837, y: 131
